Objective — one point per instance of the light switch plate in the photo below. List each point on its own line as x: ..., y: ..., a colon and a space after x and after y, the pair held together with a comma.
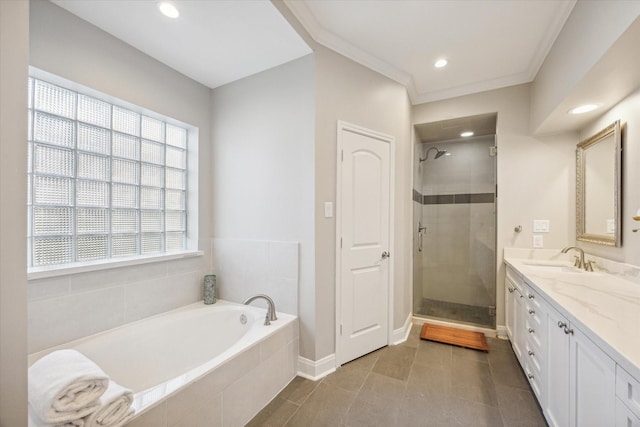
x: 540, y: 225
x: 538, y: 241
x: 328, y: 209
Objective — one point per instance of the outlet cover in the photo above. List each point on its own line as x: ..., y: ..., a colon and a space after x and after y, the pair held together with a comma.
x: 538, y: 241
x: 540, y: 225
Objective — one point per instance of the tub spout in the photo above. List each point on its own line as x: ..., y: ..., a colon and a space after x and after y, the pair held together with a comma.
x: 271, y: 307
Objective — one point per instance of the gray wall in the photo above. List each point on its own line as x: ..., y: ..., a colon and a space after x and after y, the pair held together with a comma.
x: 536, y: 175
x: 14, y: 60
x: 63, y: 44
x: 263, y: 184
x: 628, y: 112
x: 350, y: 92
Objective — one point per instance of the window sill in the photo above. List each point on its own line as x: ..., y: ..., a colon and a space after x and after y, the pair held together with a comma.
x: 83, y: 267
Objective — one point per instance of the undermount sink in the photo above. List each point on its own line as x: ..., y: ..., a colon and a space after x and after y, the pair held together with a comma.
x: 559, y: 267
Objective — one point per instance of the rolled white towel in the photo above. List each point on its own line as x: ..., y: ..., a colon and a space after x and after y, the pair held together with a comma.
x: 115, y: 408
x: 64, y: 386
x: 34, y: 421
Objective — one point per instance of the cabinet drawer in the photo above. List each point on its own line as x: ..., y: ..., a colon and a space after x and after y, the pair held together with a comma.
x: 624, y: 416
x: 533, y: 299
x: 534, y: 359
x: 628, y: 390
x: 534, y: 333
x: 534, y: 379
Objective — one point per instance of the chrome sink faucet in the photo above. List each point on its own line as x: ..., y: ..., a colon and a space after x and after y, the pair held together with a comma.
x: 579, y: 260
x: 271, y: 307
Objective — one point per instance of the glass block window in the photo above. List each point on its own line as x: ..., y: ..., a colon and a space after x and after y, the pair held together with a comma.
x: 105, y: 181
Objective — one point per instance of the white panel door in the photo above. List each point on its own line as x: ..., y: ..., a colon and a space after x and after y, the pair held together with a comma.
x: 364, y: 256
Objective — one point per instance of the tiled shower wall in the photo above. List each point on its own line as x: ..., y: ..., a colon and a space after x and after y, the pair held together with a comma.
x: 64, y: 308
x: 249, y: 267
x: 456, y: 195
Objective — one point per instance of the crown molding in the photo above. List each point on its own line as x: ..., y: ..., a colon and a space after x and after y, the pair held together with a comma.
x: 341, y: 46
x: 330, y: 40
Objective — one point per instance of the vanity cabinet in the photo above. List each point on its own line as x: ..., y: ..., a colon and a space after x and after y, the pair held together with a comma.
x: 627, y: 399
x: 572, y: 378
x: 514, y: 301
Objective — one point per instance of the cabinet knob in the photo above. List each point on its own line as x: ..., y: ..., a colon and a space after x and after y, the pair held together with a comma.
x: 532, y: 311
x: 530, y: 376
x: 562, y: 325
x: 568, y: 331
x: 531, y: 296
x: 531, y: 353
x: 531, y: 331
x: 510, y: 290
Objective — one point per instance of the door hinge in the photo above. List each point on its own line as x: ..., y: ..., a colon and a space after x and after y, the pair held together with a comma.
x: 341, y: 243
x: 493, y: 151
x: 342, y: 156
x: 341, y: 329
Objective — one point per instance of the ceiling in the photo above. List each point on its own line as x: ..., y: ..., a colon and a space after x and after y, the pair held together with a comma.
x: 488, y: 43
x: 212, y: 42
x: 449, y: 130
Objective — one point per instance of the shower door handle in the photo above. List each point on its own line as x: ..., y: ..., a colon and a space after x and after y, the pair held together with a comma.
x: 421, y: 230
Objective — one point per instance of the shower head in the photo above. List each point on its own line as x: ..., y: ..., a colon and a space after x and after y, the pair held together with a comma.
x: 439, y: 153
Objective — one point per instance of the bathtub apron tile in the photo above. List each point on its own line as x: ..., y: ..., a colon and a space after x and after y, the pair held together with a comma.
x: 154, y: 417
x: 201, y: 409
x: 231, y: 371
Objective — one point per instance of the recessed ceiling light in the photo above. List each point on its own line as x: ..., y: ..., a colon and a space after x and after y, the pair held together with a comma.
x: 168, y: 9
x: 441, y: 63
x: 583, y: 108
x: 466, y: 134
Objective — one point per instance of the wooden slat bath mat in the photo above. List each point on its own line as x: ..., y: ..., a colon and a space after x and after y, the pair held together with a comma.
x: 459, y: 337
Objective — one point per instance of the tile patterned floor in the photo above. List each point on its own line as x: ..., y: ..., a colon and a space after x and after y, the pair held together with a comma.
x: 417, y: 383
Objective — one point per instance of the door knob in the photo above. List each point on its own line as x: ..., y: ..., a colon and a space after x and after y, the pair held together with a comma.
x: 385, y: 254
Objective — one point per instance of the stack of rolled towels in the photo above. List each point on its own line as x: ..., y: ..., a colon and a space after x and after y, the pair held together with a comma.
x: 67, y: 389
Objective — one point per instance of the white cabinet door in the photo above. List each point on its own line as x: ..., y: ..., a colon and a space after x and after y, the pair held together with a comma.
x: 518, y: 325
x: 509, y: 296
x: 592, y: 382
x: 556, y: 402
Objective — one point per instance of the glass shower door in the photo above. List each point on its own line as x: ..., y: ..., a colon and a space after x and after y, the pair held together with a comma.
x: 454, y: 278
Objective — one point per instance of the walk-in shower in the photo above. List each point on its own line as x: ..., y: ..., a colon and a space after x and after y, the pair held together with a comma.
x: 454, y: 198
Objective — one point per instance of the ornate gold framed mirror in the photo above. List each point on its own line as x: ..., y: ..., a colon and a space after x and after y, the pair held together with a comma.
x: 598, y: 187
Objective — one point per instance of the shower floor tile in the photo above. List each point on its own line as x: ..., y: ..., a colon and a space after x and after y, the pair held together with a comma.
x: 457, y: 312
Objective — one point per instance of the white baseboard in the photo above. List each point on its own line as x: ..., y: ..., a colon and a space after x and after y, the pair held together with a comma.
x: 501, y: 332
x: 400, y: 335
x: 315, y: 370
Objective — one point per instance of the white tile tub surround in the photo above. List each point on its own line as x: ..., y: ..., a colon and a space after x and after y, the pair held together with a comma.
x: 234, y: 392
x: 210, y: 369
x: 65, y: 308
x: 248, y: 267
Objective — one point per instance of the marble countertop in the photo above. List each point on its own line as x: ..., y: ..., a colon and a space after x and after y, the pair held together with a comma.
x: 604, y: 306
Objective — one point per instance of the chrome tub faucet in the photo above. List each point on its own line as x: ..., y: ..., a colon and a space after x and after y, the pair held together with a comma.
x: 271, y: 307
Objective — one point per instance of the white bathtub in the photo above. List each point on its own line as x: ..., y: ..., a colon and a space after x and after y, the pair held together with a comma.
x: 163, y: 356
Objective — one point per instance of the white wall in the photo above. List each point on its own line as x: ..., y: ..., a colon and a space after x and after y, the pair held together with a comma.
x: 263, y: 175
x: 628, y: 112
x: 536, y: 175
x: 62, y: 44
x: 350, y: 92
x: 14, y: 57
